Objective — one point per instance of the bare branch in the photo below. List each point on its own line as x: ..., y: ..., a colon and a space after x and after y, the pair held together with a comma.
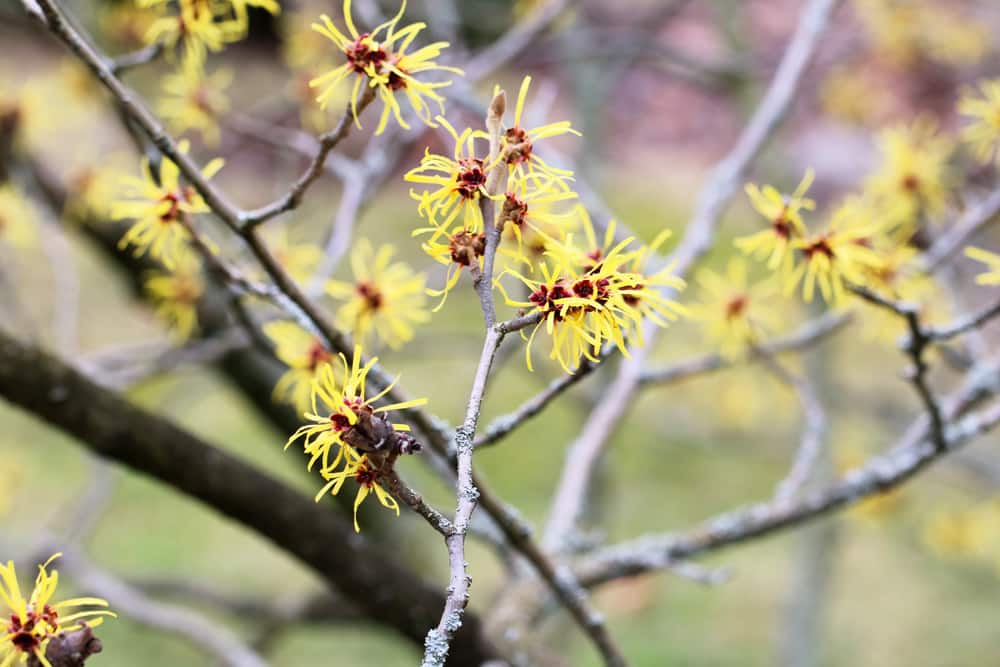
x: 402, y: 491
x: 805, y: 336
x: 502, y: 426
x: 137, y: 58
x: 914, y: 345
x: 210, y: 636
x: 957, y: 235
x: 879, y: 475
x: 813, y: 432
x: 327, y: 142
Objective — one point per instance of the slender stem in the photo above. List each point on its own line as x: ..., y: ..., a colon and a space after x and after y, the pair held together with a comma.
x: 327, y: 143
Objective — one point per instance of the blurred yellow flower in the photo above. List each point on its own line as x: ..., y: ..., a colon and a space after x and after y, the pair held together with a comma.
x: 304, y: 354
x: 962, y: 533
x: 18, y: 218
x: 836, y: 257
x: 984, y: 131
x: 29, y: 624
x: 913, y: 178
x: 783, y: 213
x: 176, y: 295
x: 381, y: 62
x: 159, y: 205
x: 299, y: 260
x: 195, y: 100
x: 384, y: 302
x: 90, y: 193
x: 734, y: 312
x: 905, y: 31
x: 991, y: 260
x: 198, y: 27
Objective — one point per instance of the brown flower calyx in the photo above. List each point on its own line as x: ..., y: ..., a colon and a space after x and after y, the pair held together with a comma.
x: 517, y: 146
x: 467, y: 247
x: 471, y: 177
x: 514, y: 210
x: 373, y: 433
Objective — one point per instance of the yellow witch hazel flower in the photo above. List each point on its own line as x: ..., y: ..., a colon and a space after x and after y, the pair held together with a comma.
x: 380, y: 58
x: 159, y: 205
x: 518, y: 144
x: 906, y: 31
x: 17, y: 218
x: 734, y: 312
x: 835, y: 258
x: 589, y: 298
x: 298, y: 259
x: 385, y: 301
x: 463, y: 250
x: 349, y: 432
x: 460, y: 183
x: 176, y: 294
x: 963, y: 533
x: 195, y: 100
x: 366, y: 474
x: 991, y: 260
x: 29, y: 624
x: 530, y: 207
x: 199, y: 26
x: 783, y: 212
x: 984, y: 131
x: 304, y: 354
x: 913, y: 177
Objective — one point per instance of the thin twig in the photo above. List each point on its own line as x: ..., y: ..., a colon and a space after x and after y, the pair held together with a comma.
x: 964, y: 325
x: 207, y: 635
x: 415, y: 501
x: 951, y: 241
x: 879, y: 475
x: 914, y: 345
x: 502, y: 426
x: 813, y: 432
x: 327, y: 142
x: 137, y: 58
x: 808, y: 334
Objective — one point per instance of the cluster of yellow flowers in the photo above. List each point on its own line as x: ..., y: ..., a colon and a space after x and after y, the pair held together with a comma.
x: 350, y: 436
x: 589, y: 294
x: 30, y: 623
x: 871, y: 238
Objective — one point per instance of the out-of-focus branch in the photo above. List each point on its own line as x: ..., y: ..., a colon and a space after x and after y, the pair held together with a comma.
x: 809, y: 334
x: 879, y: 475
x: 582, y: 456
x: 327, y: 142
x: 957, y: 235
x: 110, y: 426
x: 915, y: 345
x: 813, y: 431
x: 137, y: 58
x: 514, y: 41
x: 502, y: 426
x: 209, y: 636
